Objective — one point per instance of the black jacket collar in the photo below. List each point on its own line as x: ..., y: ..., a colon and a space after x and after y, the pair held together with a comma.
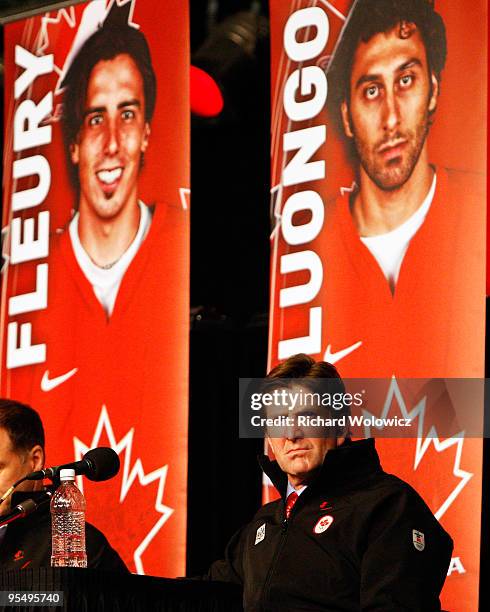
x: 342, y: 467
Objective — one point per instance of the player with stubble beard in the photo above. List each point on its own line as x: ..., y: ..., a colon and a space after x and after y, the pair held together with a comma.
x: 402, y: 250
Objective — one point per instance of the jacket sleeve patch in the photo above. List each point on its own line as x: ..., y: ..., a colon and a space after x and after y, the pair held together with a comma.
x: 418, y: 539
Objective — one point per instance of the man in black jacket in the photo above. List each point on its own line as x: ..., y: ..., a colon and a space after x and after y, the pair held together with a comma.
x: 345, y: 536
x: 27, y: 542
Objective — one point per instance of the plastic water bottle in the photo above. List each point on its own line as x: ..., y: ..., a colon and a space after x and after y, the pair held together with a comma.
x: 68, y: 523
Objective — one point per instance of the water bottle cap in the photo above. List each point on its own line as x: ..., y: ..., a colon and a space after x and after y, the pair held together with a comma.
x: 67, y: 474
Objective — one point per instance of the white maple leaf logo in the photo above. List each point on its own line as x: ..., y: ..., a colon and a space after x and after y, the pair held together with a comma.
x: 130, y: 473
x: 423, y: 443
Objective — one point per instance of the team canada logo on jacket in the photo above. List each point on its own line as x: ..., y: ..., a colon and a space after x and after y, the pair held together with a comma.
x: 260, y: 535
x: 418, y: 539
x: 323, y: 524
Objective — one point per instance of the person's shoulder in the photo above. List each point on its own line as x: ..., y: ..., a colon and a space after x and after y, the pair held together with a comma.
x: 387, y: 489
x: 462, y: 197
x: 394, y: 493
x: 168, y: 212
x: 390, y: 485
x: 59, y: 240
x: 267, y: 510
x: 339, y: 202
x: 95, y: 534
x: 169, y: 222
x: 465, y: 183
x: 62, y: 262
x: 100, y: 554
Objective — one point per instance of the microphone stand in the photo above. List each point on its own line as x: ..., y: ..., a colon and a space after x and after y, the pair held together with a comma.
x: 25, y: 508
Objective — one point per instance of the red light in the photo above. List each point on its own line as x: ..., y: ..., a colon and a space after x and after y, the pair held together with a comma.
x: 206, y: 98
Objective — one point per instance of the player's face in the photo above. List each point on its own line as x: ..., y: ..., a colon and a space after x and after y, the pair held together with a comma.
x: 390, y: 100
x: 112, y: 138
x: 298, y: 455
x: 13, y: 466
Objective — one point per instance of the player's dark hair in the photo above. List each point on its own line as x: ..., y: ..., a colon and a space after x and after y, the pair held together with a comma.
x: 23, y: 425
x: 106, y: 43
x: 371, y: 17
x: 304, y: 366
x: 315, y: 376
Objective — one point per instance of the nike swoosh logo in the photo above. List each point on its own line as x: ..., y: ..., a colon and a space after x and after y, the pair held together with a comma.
x: 48, y: 384
x: 333, y: 358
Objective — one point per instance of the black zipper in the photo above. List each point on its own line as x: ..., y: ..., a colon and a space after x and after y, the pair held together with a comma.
x: 284, y: 537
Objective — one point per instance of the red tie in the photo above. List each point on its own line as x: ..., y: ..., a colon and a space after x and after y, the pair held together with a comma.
x: 291, y: 500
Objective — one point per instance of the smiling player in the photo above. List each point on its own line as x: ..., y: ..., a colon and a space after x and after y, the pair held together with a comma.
x: 108, y: 106
x: 114, y: 328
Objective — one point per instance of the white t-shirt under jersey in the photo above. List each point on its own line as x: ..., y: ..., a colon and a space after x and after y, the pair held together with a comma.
x: 106, y: 282
x: 389, y: 249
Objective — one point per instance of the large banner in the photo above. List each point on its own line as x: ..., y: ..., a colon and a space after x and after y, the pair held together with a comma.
x: 95, y: 300
x: 379, y: 219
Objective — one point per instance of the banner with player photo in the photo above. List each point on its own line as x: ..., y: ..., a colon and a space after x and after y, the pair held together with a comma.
x: 95, y: 276
x: 379, y: 153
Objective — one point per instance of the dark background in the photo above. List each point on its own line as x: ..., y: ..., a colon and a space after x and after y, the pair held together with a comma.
x: 229, y: 293
x: 229, y: 280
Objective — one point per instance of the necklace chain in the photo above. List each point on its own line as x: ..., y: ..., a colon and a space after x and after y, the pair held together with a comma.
x: 107, y: 266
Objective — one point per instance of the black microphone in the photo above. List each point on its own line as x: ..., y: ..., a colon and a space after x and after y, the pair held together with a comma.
x: 97, y: 464
x: 25, y: 508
